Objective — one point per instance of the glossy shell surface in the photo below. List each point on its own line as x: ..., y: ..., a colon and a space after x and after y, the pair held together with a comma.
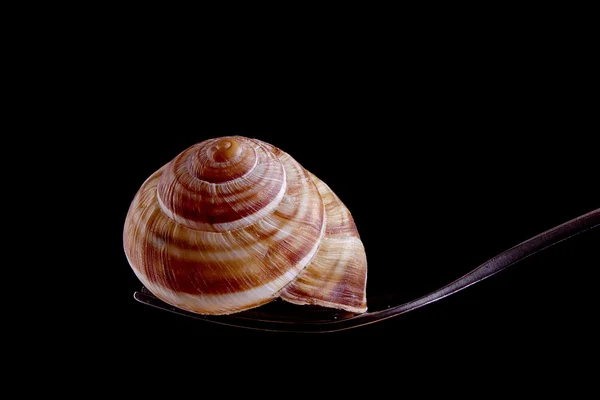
x: 232, y: 223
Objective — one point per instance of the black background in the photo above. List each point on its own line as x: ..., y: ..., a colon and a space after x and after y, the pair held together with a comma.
x: 444, y: 162
x: 486, y: 131
x: 434, y: 190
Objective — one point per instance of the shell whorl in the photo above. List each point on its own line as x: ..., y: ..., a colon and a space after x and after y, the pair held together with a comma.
x: 232, y: 223
x: 222, y: 184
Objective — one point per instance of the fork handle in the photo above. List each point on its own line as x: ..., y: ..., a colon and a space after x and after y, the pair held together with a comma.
x: 501, y: 261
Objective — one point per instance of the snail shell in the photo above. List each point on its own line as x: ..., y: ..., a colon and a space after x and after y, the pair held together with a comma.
x: 232, y: 223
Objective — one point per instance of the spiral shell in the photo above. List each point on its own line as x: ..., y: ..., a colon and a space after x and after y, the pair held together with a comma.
x: 232, y: 223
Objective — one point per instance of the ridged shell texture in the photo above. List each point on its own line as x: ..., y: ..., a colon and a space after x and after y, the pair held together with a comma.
x: 233, y: 223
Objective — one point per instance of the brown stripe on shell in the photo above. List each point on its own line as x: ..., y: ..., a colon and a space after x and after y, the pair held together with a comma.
x: 340, y: 222
x: 181, y: 170
x: 201, y: 247
x: 335, y: 278
x: 337, y: 275
x: 267, y: 169
x: 261, y: 262
x: 236, y: 275
x: 197, y: 203
x: 275, y: 248
x: 138, y: 215
x: 299, y: 179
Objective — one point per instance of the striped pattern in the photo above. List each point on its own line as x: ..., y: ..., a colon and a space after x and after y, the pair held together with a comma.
x: 337, y: 276
x: 217, y: 241
x: 193, y: 189
x: 212, y: 272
